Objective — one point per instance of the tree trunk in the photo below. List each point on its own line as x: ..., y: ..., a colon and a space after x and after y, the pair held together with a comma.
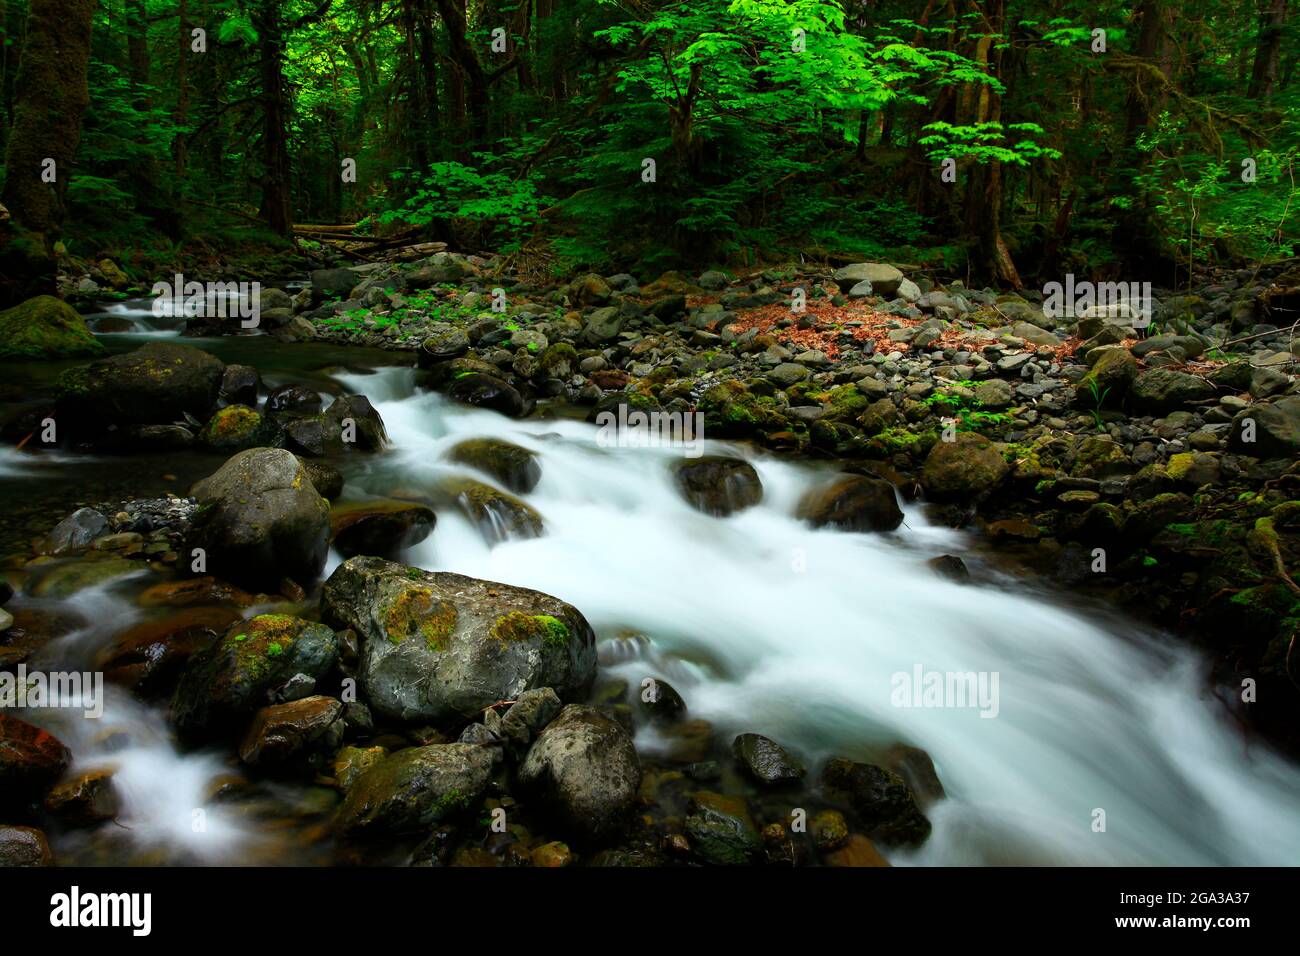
x: 1268, y: 51
x: 984, y: 186
x: 50, y: 96
x: 276, y: 209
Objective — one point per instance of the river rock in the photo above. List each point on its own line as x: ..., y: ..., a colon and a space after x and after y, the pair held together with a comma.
x: 292, y: 401
x: 1161, y: 390
x: 884, y: 279
x: 416, y: 788
x: 328, y: 284
x: 31, y: 759
x: 497, y: 515
x: 439, y: 646
x: 880, y: 798
x: 240, y: 385
x: 767, y: 761
x: 325, y: 478
x: 260, y: 521
x: 236, y: 427
x: 584, y: 768
x: 149, y: 657
x: 45, y: 328
x: 382, y: 528
x: 853, y: 503
x: 721, y: 830
x: 508, y: 463
x: 24, y: 846
x: 659, y: 701
x: 157, y: 384
x: 1109, y: 379
x: 75, y: 532
x: 963, y: 470
x: 358, y: 423
x: 85, y: 800
x: 718, y: 485
x: 230, y: 681
x: 1275, y: 432
x: 301, y: 731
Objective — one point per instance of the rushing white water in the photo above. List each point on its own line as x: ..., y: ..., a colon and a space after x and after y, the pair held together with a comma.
x: 165, y: 794
x: 766, y: 625
x: 146, y: 322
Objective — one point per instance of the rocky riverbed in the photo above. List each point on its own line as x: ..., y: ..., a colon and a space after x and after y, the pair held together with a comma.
x: 284, y: 620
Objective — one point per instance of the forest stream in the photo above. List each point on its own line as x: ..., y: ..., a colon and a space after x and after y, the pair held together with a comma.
x: 1094, y: 710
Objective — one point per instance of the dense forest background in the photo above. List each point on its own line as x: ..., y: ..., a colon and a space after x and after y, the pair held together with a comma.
x: 999, y: 139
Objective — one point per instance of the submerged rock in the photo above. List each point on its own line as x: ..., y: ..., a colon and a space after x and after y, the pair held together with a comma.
x: 584, y: 768
x: 439, y: 646
x: 499, y: 516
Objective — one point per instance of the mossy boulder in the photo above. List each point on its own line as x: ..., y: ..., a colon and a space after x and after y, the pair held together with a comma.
x: 441, y: 647
x: 853, y: 503
x: 415, y: 789
x: 157, y: 384
x: 45, y: 328
x: 223, y: 686
x: 584, y: 770
x: 1109, y: 379
x: 718, y: 485
x: 237, y: 427
x: 732, y: 411
x: 514, y: 467
x: 1161, y: 390
x: 260, y: 520
x: 963, y: 470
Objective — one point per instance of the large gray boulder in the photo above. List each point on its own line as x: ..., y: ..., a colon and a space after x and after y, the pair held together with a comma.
x: 584, y: 768
x: 437, y: 646
x: 261, y: 520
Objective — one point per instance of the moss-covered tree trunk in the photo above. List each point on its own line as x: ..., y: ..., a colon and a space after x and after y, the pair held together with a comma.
x: 50, y: 94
